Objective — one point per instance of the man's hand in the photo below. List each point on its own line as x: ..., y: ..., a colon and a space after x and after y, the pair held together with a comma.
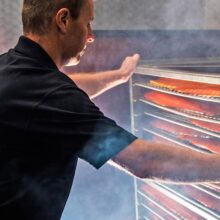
x: 128, y: 66
x: 96, y: 83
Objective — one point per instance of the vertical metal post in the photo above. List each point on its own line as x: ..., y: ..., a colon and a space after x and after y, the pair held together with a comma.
x: 136, y: 199
x: 131, y: 104
x: 133, y: 131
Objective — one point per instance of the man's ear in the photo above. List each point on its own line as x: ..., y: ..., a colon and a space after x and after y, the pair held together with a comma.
x: 62, y: 19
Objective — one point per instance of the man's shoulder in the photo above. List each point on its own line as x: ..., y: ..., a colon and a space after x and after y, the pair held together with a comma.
x: 30, y: 69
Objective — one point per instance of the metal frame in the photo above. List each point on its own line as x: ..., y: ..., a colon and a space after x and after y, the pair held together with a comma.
x: 211, y: 189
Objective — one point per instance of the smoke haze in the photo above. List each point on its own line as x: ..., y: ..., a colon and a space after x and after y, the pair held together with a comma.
x: 169, y: 29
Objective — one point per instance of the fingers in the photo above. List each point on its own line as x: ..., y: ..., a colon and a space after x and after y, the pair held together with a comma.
x: 136, y: 57
x: 132, y: 60
x: 130, y: 63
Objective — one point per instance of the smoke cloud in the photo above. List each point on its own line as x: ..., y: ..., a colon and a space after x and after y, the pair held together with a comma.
x: 157, y: 29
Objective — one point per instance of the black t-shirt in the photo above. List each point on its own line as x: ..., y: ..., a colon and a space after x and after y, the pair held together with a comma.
x: 46, y: 123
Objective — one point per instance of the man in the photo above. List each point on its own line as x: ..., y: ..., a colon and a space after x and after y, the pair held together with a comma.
x: 47, y: 121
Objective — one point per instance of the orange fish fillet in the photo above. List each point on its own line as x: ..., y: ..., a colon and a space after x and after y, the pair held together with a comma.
x: 179, y: 131
x: 207, y: 125
x: 207, y: 200
x: 188, y: 87
x: 206, y: 143
x: 186, y: 134
x: 181, y: 211
x: 180, y: 103
x: 209, y: 92
x: 173, y: 83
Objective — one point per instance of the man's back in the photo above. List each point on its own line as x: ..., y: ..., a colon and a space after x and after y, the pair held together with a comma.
x: 35, y: 173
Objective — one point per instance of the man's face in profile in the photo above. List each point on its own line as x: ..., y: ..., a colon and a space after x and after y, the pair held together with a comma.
x: 81, y: 33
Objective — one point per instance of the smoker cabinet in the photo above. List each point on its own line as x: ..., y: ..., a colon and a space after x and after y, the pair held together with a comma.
x: 177, y: 103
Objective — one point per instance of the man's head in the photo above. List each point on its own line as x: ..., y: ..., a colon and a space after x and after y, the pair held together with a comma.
x: 38, y: 15
x: 65, y: 22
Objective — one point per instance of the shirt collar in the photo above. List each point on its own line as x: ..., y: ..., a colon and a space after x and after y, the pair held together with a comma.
x: 34, y: 50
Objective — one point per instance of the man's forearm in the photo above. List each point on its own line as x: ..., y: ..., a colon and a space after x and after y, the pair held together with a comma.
x: 176, y: 164
x: 96, y: 83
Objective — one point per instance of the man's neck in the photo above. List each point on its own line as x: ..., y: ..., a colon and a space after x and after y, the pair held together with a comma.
x: 49, y: 45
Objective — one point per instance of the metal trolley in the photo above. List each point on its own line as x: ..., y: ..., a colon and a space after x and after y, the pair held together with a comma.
x: 173, y: 201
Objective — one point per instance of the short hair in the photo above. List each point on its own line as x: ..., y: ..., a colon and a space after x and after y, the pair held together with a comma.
x: 37, y: 15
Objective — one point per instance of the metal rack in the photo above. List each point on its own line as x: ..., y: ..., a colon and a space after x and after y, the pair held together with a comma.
x: 149, y: 195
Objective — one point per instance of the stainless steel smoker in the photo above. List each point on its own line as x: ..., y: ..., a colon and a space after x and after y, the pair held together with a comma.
x: 184, y: 110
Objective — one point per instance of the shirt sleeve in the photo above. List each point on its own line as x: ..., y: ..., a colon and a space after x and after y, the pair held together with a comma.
x: 69, y: 116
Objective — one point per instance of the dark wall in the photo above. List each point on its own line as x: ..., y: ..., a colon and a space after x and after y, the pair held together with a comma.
x: 111, y: 47
x: 109, y: 194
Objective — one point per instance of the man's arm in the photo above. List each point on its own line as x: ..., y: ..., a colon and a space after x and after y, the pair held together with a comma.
x: 96, y: 83
x: 157, y: 161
